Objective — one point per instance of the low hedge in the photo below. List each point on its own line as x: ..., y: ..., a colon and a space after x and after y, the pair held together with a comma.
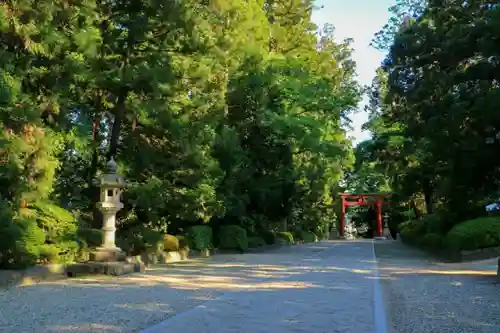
x: 412, y: 231
x: 138, y: 239
x: 480, y: 233
x: 432, y: 241
x: 474, y: 234
x: 233, y: 237
x: 434, y: 223
x: 199, y: 237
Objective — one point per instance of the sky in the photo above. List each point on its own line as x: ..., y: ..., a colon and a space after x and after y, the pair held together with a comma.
x: 360, y: 20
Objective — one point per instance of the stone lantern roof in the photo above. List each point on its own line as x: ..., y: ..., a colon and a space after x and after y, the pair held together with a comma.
x: 110, y: 178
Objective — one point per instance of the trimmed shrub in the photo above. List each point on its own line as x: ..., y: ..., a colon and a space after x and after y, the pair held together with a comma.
x: 200, y: 237
x: 474, y: 234
x: 285, y: 237
x: 412, y: 231
x: 139, y: 239
x: 255, y: 242
x: 432, y: 241
x: 233, y: 237
x: 434, y: 224
x: 171, y: 243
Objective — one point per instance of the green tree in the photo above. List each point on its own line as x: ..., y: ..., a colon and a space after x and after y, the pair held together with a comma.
x: 433, y: 107
x: 227, y: 112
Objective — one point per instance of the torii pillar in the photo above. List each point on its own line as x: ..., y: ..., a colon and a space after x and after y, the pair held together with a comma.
x: 380, y: 226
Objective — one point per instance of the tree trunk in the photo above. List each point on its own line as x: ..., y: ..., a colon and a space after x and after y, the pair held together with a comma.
x: 413, y: 206
x: 119, y: 113
x: 93, y: 191
x: 428, y: 194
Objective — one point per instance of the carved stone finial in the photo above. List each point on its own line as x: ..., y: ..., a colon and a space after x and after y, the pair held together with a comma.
x: 111, y: 166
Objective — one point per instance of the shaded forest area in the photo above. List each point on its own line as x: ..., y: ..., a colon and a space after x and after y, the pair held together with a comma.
x: 228, y: 117
x: 435, y: 123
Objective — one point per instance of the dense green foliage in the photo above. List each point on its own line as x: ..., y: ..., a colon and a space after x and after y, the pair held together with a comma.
x: 139, y: 239
x: 200, y: 237
x: 233, y: 237
x: 306, y: 236
x: 479, y: 233
x: 433, y: 115
x: 285, y: 237
x: 227, y: 112
x: 90, y: 237
x: 474, y: 234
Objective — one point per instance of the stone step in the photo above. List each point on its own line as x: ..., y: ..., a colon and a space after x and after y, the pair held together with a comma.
x: 104, y: 268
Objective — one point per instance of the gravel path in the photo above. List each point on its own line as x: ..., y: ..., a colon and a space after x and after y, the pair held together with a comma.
x: 327, y: 287
x: 330, y: 292
x: 321, y: 287
x: 423, y: 295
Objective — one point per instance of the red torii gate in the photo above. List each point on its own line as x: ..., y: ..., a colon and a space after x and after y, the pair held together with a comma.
x: 361, y: 200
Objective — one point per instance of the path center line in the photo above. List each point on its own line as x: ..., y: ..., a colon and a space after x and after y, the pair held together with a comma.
x: 379, y: 311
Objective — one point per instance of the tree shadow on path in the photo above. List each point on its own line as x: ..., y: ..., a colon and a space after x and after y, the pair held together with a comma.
x: 277, y: 279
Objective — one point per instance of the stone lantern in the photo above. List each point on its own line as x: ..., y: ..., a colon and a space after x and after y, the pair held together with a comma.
x: 387, y: 231
x: 111, y: 187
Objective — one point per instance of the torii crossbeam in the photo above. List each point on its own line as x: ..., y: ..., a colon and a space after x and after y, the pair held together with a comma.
x: 355, y: 199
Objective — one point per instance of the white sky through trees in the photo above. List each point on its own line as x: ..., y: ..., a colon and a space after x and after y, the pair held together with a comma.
x: 360, y: 20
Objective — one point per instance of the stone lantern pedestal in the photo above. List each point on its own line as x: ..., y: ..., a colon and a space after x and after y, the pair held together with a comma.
x: 386, y: 233
x: 108, y: 251
x: 108, y: 258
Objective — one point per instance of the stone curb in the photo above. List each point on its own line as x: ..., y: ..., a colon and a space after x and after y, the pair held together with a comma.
x: 9, y: 278
x: 469, y: 256
x: 481, y: 254
x: 461, y: 256
x: 254, y: 250
x: 53, y: 272
x: 268, y: 248
x: 265, y: 248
